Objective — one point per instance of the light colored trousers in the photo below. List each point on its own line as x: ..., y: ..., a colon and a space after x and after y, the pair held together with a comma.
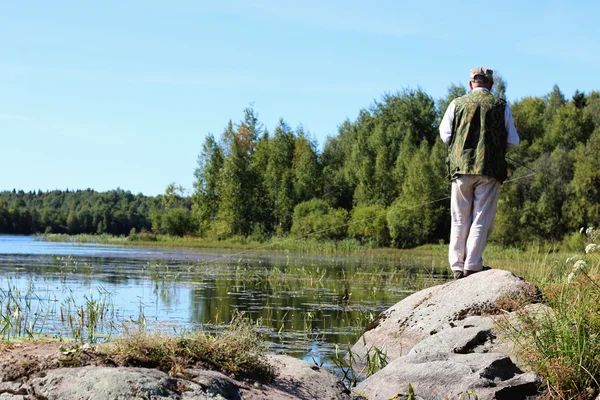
x: 473, y: 209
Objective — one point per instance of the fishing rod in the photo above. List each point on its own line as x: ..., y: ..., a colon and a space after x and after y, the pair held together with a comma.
x: 520, y: 164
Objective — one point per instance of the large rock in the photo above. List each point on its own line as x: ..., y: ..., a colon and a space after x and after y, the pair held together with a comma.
x: 404, y: 325
x: 438, y: 376
x: 104, y: 383
x: 294, y: 379
x: 297, y: 379
x: 443, y: 342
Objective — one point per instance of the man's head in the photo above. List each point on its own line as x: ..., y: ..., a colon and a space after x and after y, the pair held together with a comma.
x: 481, y: 77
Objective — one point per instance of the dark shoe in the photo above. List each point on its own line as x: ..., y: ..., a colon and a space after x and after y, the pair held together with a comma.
x: 458, y: 274
x: 468, y: 273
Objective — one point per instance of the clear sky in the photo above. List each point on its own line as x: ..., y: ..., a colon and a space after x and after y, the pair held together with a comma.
x: 111, y: 94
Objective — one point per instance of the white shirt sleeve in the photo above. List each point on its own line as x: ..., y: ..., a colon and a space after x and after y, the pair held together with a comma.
x: 513, y: 137
x: 446, y: 125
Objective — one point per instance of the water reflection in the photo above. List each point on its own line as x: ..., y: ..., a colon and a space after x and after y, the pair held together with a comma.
x: 305, y: 305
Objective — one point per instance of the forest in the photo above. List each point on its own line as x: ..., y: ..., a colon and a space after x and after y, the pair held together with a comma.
x: 380, y: 180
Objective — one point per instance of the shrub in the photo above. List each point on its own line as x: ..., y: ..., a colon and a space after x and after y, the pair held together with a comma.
x: 177, y: 221
x: 315, y: 218
x: 369, y: 224
x: 574, y: 241
x: 412, y: 225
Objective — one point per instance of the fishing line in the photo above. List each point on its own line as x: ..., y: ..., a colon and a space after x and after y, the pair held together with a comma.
x: 347, y: 224
x: 521, y: 164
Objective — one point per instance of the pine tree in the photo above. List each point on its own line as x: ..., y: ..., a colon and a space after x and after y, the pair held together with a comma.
x: 207, y: 185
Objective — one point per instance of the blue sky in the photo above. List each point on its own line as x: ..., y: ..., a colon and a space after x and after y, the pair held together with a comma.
x: 122, y: 94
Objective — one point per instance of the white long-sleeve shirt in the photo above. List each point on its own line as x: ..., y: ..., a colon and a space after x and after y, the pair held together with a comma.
x: 446, y: 126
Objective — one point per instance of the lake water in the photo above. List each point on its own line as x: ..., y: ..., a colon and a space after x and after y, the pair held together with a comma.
x: 304, y: 305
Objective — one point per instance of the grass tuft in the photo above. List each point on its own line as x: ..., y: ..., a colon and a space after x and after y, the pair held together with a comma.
x: 238, y: 350
x: 563, y: 344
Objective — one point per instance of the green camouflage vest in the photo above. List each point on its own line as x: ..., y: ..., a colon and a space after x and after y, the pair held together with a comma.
x: 478, y: 143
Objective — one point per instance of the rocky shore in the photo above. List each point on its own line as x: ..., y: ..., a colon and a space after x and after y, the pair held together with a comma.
x: 442, y: 341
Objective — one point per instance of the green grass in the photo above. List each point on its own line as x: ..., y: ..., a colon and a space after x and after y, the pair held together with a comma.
x: 26, y: 315
x: 235, y: 243
x: 353, y: 370
x: 496, y: 256
x: 562, y: 345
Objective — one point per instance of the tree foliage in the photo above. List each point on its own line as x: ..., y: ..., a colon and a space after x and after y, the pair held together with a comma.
x: 379, y: 180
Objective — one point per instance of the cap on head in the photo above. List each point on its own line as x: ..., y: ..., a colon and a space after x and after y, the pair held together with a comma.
x: 482, y: 75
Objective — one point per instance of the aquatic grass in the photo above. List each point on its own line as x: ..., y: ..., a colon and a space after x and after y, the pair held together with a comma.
x: 82, y: 238
x: 92, y: 321
x: 275, y: 244
x: 354, y: 369
x: 22, y: 313
x: 100, y: 314
x: 26, y: 315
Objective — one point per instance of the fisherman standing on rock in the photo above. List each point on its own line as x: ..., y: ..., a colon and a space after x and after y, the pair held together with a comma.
x: 479, y: 130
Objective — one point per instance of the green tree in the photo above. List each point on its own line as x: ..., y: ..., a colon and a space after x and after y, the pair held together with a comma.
x: 569, y: 126
x: 583, y: 207
x: 207, y: 184
x: 177, y: 221
x: 72, y: 222
x: 262, y: 210
x: 413, y: 217
x: 377, y: 139
x: 579, y: 99
x: 306, y: 169
x: 592, y: 108
x: 337, y: 189
x: 529, y: 116
x: 499, y: 87
x: 453, y: 92
x: 235, y: 205
x: 278, y: 176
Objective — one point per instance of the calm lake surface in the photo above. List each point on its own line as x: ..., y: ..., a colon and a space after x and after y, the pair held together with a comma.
x: 305, y: 305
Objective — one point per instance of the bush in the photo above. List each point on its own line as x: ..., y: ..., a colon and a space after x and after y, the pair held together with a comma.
x: 177, y: 222
x: 369, y: 224
x: 412, y: 225
x: 574, y: 241
x: 143, y: 236
x: 315, y: 218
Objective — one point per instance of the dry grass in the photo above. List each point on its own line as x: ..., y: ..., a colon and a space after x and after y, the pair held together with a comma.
x: 4, y: 346
x: 238, y: 350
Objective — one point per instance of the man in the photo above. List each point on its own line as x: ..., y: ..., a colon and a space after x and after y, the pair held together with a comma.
x: 479, y: 129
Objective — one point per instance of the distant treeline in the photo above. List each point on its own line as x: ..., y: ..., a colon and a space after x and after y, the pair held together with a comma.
x: 78, y: 211
x: 114, y: 212
x: 380, y: 180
